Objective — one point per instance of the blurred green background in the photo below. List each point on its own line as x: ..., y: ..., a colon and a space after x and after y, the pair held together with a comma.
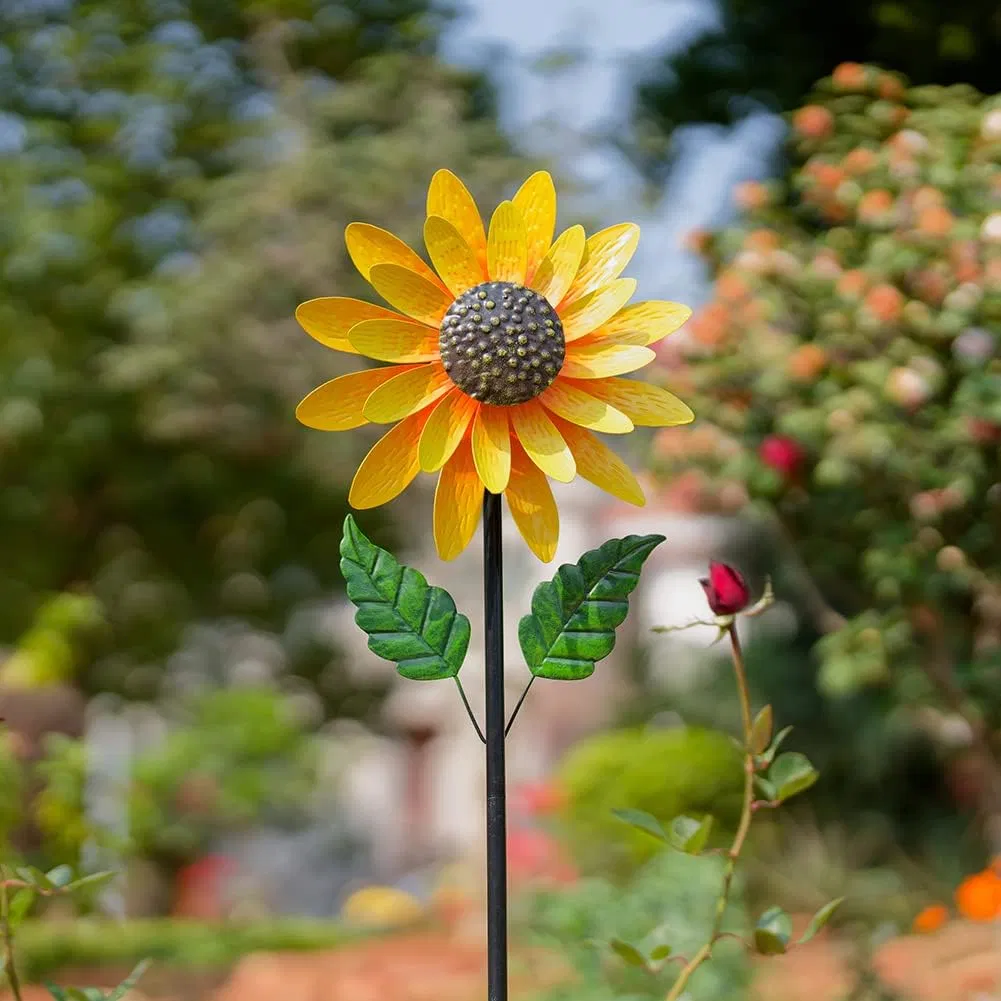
x: 185, y: 702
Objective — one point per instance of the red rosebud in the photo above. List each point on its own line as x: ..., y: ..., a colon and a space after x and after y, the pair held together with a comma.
x: 726, y: 590
x: 784, y: 455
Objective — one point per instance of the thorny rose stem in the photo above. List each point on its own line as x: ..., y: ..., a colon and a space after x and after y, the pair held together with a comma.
x: 495, y: 724
x: 730, y: 866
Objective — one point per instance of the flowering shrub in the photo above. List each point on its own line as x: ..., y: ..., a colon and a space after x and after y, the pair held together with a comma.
x: 847, y: 378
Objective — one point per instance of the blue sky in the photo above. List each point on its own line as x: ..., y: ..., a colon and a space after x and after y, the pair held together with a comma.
x: 564, y: 115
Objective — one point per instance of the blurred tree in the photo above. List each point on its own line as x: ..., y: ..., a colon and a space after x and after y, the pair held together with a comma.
x: 847, y: 373
x: 767, y: 54
x: 174, y: 179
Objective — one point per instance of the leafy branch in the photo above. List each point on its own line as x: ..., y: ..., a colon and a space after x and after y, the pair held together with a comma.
x: 770, y: 778
x: 20, y: 887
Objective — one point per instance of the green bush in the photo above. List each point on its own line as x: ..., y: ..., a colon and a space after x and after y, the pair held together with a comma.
x: 670, y: 900
x: 44, y: 947
x: 664, y: 772
x: 847, y: 378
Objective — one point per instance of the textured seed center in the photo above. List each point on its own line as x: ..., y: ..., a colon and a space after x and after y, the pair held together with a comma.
x: 501, y: 343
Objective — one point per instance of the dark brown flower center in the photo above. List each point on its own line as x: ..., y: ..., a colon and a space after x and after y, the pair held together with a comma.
x: 501, y: 343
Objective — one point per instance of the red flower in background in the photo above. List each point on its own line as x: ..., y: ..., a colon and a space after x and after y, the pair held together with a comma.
x: 784, y: 455
x: 726, y: 590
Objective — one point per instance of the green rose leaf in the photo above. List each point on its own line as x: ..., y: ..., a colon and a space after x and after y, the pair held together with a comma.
x: 772, y: 932
x: 761, y: 730
x: 129, y: 982
x: 690, y: 835
x: 660, y: 952
x: 769, y: 756
x: 408, y: 621
x: 628, y: 953
x: 791, y: 774
x: 765, y: 787
x: 20, y: 904
x: 574, y: 616
x: 644, y: 822
x: 820, y: 919
x: 91, y: 880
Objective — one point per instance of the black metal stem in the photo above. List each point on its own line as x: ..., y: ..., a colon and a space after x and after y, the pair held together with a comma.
x: 493, y: 622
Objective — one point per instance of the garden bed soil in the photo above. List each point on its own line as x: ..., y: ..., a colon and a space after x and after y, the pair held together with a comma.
x: 961, y: 961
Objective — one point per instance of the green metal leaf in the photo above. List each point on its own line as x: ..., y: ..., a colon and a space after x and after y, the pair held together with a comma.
x: 408, y: 621
x: 820, y: 919
x: 643, y: 821
x: 761, y: 730
x: 575, y: 615
x: 628, y: 953
x: 690, y: 835
x: 791, y: 774
x: 772, y: 932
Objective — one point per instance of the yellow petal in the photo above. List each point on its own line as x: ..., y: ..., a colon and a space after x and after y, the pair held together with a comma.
x: 595, y: 308
x: 370, y: 245
x: 410, y: 293
x: 605, y: 257
x: 390, y: 466
x: 532, y: 506
x: 599, y: 361
x: 653, y: 320
x: 579, y: 406
x: 338, y: 405
x: 458, y: 501
x: 598, y: 464
x: 646, y: 405
x: 507, y: 245
x: 536, y: 200
x: 395, y: 340
x: 542, y: 442
x: 445, y: 428
x: 452, y: 256
x: 407, y: 393
x: 449, y: 198
x: 330, y: 319
x: 491, y: 442
x: 556, y: 271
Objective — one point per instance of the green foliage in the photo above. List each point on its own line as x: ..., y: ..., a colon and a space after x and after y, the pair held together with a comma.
x: 45, y: 947
x: 96, y: 993
x: 772, y: 932
x: 51, y: 649
x: 663, y: 773
x: 789, y: 775
x: 763, y: 53
x: 239, y: 755
x: 231, y: 757
x: 574, y: 616
x: 414, y: 625
x: 616, y: 937
x: 849, y: 365
x: 156, y: 163
x: 819, y: 920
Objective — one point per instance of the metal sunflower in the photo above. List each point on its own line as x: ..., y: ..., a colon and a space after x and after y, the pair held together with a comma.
x: 506, y: 357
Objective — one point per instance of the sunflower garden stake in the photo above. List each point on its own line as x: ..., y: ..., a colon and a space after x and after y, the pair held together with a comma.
x: 504, y: 360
